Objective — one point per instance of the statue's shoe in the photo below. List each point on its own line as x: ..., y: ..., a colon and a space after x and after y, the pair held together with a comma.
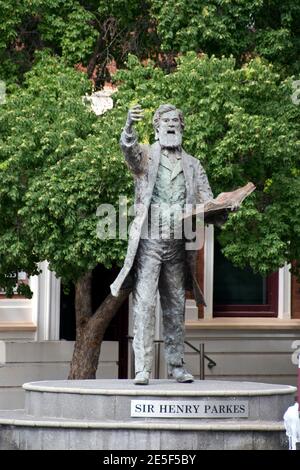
x: 142, y: 378
x: 181, y: 375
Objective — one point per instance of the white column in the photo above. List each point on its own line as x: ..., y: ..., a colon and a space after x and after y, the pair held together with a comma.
x: 46, y: 304
x: 284, y: 292
x: 209, y: 271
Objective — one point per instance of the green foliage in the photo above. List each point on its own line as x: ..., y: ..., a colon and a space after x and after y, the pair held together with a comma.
x: 67, y: 27
x: 58, y: 162
x: 31, y: 124
x: 238, y: 27
x: 91, y: 33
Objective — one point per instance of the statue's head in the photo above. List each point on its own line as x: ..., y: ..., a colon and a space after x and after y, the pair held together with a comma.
x: 168, y: 124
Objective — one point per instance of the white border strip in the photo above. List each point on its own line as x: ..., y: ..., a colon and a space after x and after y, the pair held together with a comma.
x: 289, y: 389
x: 236, y: 426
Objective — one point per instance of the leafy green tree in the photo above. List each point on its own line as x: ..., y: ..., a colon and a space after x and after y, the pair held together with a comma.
x: 58, y: 163
x: 91, y: 33
x: 55, y: 160
x: 242, y: 28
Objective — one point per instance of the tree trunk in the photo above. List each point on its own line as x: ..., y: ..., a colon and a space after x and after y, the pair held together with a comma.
x: 93, y: 60
x: 90, y: 328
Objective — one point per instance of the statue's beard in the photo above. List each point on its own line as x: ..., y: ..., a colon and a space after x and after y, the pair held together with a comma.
x: 171, y: 139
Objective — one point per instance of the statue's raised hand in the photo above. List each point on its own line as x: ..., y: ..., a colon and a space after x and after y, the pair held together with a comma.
x: 135, y: 114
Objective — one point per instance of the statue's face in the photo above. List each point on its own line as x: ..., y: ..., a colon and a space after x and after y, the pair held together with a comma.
x: 169, y: 131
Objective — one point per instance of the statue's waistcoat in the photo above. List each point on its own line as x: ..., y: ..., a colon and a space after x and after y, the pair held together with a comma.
x: 169, y: 194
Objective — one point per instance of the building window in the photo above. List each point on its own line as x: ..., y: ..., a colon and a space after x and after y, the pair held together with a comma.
x: 22, y: 278
x: 241, y: 292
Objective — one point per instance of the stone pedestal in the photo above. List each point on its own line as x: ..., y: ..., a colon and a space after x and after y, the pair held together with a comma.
x: 165, y: 415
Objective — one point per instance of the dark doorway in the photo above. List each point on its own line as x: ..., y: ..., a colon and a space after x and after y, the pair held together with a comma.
x: 118, y: 327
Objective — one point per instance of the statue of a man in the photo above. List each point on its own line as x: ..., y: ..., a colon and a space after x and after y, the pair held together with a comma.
x: 165, y: 175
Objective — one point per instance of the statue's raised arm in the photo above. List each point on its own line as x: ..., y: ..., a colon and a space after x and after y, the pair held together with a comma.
x: 131, y: 149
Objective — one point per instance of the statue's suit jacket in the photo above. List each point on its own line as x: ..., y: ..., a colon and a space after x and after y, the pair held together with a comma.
x: 143, y: 160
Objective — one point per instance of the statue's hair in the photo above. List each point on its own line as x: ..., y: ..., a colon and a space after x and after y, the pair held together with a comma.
x: 165, y: 108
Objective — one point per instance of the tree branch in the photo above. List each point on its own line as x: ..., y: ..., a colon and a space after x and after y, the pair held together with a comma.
x: 93, y: 60
x: 107, y: 310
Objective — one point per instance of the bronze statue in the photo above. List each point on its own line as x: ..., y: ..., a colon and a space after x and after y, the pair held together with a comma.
x: 165, y: 176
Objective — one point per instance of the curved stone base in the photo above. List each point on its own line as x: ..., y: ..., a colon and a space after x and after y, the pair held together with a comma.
x: 96, y: 414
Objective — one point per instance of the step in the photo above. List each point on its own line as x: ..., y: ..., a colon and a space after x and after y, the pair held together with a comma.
x: 111, y: 399
x: 245, y: 364
x: 19, y: 431
x: 49, y: 351
x: 13, y: 375
x: 12, y: 398
x: 19, y: 418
